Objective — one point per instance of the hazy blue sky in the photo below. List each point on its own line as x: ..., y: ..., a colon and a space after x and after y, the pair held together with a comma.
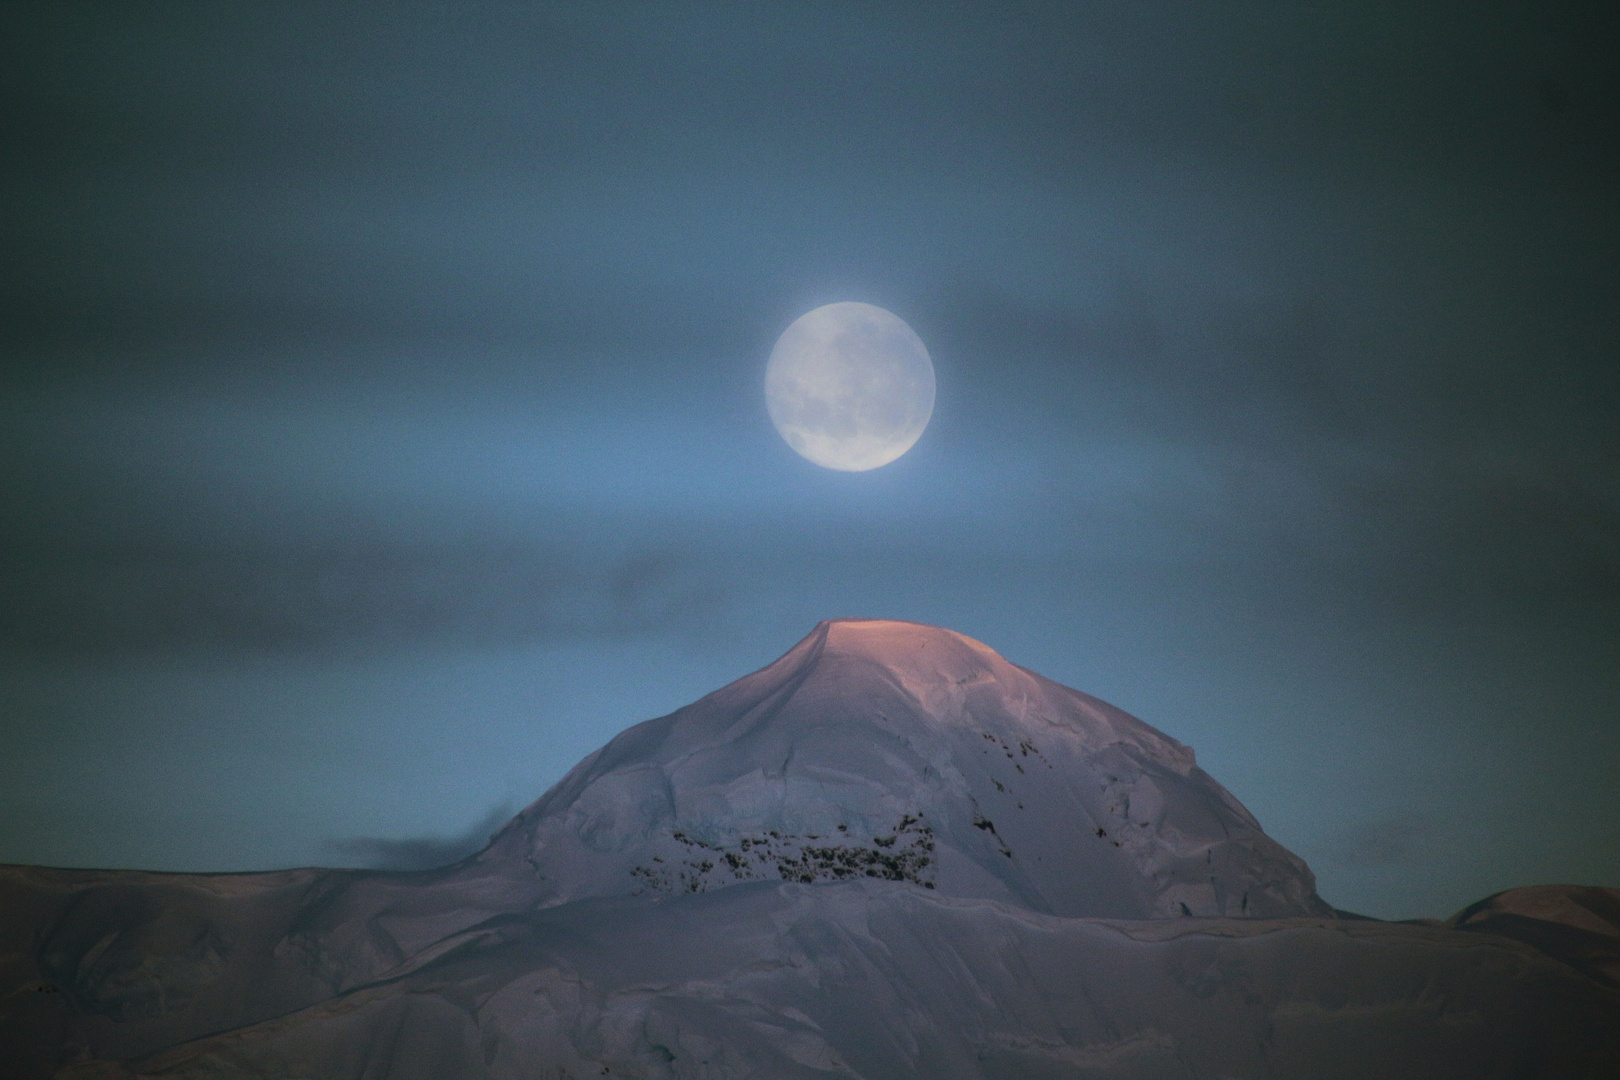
x: 382, y: 426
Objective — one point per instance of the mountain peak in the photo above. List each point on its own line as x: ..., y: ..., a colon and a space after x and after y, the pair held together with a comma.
x: 907, y: 752
x: 927, y: 661
x: 903, y: 645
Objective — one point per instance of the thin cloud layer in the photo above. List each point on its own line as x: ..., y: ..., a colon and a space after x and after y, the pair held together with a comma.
x: 352, y: 598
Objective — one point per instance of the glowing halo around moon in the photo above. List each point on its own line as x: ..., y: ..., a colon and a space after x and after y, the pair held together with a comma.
x: 850, y: 386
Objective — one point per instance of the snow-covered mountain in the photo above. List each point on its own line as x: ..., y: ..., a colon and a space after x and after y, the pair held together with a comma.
x: 908, y: 753
x: 891, y: 853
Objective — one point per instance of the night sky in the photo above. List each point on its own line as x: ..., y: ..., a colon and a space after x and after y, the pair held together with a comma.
x: 382, y: 422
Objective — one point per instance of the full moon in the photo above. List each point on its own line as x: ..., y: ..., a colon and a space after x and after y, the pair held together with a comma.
x: 850, y: 386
